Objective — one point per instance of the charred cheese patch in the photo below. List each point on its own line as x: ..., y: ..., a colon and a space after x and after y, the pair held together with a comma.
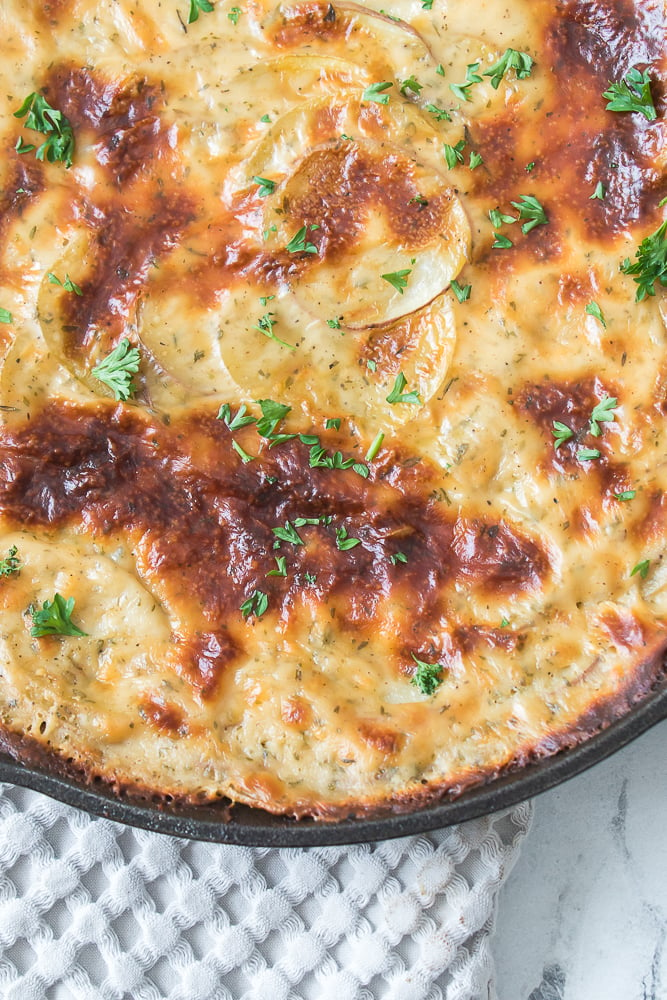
x: 379, y: 510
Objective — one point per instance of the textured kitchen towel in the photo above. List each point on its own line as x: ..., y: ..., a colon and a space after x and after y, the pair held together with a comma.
x: 93, y: 910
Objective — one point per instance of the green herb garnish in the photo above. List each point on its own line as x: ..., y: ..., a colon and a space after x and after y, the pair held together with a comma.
x: 427, y: 676
x: 439, y: 114
x: 454, y: 154
x: 117, y: 369
x: 299, y: 242
x: 243, y: 455
x: 588, y: 454
x: 633, y: 93
x: 520, y: 62
x: 410, y: 86
x: 603, y: 413
x: 651, y: 263
x: 626, y: 495
x: 398, y: 396
x: 462, y: 292
x: 530, y: 208
x: 6, y: 316
x: 593, y: 309
x: 398, y: 557
x: 256, y: 604
x: 41, y: 117
x: 599, y: 193
x: 561, y: 433
x: 343, y: 541
x: 399, y: 279
x: 54, y: 618
x: 67, y: 284
x: 266, y: 187
x: 375, y: 92
x: 501, y: 242
x: 196, y: 6
x: 288, y: 534
x: 281, y: 563
x: 11, y: 563
x: 265, y: 325
x: 375, y: 447
x: 234, y: 14
x: 642, y: 568
x: 240, y: 420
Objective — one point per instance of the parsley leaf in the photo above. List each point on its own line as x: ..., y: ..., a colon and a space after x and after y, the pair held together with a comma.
x: 11, y: 563
x: 520, y: 62
x: 599, y: 193
x: 234, y: 423
x: 427, y: 676
x: 454, y: 154
x: 462, y: 292
x: 642, y: 568
x: 398, y: 557
x: 651, y: 263
x: 117, y: 368
x: 256, y: 604
x: 281, y: 563
x: 375, y: 447
x: 299, y: 243
x: 6, y: 316
x: 632, y: 94
x: 334, y: 324
x: 67, y: 284
x: 265, y: 325
x: 475, y: 160
x: 41, y: 117
x: 266, y: 187
x: 530, y: 208
x: 243, y: 455
x: 234, y: 14
x: 272, y: 414
x: 332, y: 423
x: 399, y: 279
x: 603, y: 412
x: 343, y: 541
x: 439, y: 114
x: 501, y: 242
x: 498, y: 218
x: 588, y: 454
x: 626, y: 495
x: 54, y: 618
x: 460, y: 90
x: 410, y: 86
x: 288, y: 534
x: 398, y: 396
x: 593, y: 309
x: 196, y: 6
x: 375, y: 92
x: 562, y: 433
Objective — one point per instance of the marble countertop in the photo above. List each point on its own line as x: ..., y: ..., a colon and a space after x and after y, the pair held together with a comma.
x: 583, y: 916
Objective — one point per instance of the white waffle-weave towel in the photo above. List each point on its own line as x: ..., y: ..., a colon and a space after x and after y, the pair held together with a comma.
x: 93, y: 910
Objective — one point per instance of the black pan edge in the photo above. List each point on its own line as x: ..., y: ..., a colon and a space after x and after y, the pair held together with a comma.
x: 255, y: 828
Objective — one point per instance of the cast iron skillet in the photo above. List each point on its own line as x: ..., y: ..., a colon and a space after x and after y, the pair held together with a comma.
x: 253, y: 827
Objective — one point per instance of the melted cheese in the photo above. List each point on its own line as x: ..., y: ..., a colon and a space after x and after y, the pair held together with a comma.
x: 320, y: 293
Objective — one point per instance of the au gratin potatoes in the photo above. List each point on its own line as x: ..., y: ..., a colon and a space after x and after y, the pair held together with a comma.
x: 333, y: 467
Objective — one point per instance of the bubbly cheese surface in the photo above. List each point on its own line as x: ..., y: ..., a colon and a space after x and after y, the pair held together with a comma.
x: 356, y: 537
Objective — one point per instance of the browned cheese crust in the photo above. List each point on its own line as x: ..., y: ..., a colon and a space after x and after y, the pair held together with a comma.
x: 381, y: 512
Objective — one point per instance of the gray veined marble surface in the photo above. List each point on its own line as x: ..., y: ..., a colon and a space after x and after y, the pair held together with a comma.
x: 583, y: 916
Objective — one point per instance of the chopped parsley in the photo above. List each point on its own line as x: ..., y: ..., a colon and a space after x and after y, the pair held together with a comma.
x: 410, y: 86
x: 642, y: 568
x: 334, y: 324
x: 462, y: 292
x: 599, y: 193
x: 117, y: 369
x: 427, y: 676
x: 398, y: 396
x: 234, y: 423
x: 272, y: 414
x: 319, y: 457
x: 626, y: 495
x: 343, y: 540
x: 588, y: 454
x: 593, y: 309
x: 265, y: 325
x: 234, y: 14
x: 501, y: 242
x: 54, y: 618
x: 196, y: 6
x: 256, y: 604
x: 398, y: 557
x: 475, y: 160
x: 11, y: 563
x: 399, y: 279
x: 243, y: 455
x: 299, y: 242
x: 427, y: 4
x: 281, y: 563
x: 265, y: 120
x: 375, y: 92
x: 651, y: 263
x: 375, y: 447
x: 454, y: 154
x: 561, y: 433
x: 603, y: 412
x: 499, y: 218
x: 6, y: 316
x: 332, y: 424
x: 439, y: 114
x: 460, y: 90
x: 67, y: 284
x: 288, y: 534
x: 633, y: 93
x: 530, y: 208
x: 266, y: 186
x: 520, y: 62
x: 41, y: 117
